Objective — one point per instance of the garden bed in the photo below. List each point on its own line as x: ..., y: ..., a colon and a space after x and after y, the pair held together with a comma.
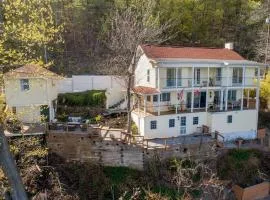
x: 257, y: 191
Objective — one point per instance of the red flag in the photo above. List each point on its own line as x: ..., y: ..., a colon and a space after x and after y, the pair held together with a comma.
x: 197, y: 92
x: 180, y: 95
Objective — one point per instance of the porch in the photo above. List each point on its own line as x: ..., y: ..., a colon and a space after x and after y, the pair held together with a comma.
x: 186, y: 101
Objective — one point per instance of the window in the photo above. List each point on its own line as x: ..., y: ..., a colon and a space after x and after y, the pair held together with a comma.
x: 155, y: 98
x: 197, y: 76
x: 232, y: 95
x: 183, y: 121
x: 171, y: 123
x: 153, y: 124
x: 148, y: 75
x: 24, y: 84
x: 14, y: 111
x: 195, y: 120
x: 148, y: 98
x: 179, y: 77
x: 183, y: 130
x: 218, y: 74
x: 237, y: 75
x: 171, y: 77
x: 165, y: 97
x: 229, y: 119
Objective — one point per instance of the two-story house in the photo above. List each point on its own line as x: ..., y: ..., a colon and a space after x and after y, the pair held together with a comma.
x: 178, y: 89
x: 31, y: 92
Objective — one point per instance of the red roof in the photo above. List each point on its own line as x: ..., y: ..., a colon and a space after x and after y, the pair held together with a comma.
x: 145, y: 90
x: 152, y: 51
x: 31, y: 70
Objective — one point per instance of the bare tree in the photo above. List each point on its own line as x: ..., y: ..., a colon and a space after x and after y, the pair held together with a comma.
x: 261, y: 15
x: 128, y: 29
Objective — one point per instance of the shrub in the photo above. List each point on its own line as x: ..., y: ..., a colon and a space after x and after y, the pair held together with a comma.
x: 98, y: 118
x: 94, y: 98
x: 240, y: 165
x: 134, y: 129
x: 62, y: 117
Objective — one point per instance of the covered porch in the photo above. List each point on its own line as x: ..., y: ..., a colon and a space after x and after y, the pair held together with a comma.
x: 151, y: 101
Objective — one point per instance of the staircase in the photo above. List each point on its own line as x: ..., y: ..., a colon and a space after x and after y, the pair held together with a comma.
x: 116, y: 105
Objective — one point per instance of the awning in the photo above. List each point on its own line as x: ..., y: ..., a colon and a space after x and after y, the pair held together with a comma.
x: 145, y: 90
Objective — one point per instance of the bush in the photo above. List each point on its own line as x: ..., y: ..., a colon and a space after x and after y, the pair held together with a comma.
x: 93, y: 98
x: 241, y: 166
x: 134, y: 129
x: 62, y: 117
x: 98, y: 118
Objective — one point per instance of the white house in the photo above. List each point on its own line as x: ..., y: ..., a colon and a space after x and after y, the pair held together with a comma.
x: 30, y: 92
x: 178, y: 89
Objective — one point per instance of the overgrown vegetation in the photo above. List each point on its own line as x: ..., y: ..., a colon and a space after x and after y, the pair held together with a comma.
x: 92, y: 98
x: 242, y: 166
x: 49, y: 176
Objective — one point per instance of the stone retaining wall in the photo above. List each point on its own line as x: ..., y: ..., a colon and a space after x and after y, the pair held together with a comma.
x: 82, y: 147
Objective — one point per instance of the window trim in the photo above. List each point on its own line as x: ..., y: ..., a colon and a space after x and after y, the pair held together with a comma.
x: 229, y: 119
x: 25, y: 84
x: 183, y: 124
x: 153, y: 124
x: 195, y: 120
x: 171, y: 123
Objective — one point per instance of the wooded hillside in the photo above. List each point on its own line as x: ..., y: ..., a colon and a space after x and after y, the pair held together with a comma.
x: 72, y: 35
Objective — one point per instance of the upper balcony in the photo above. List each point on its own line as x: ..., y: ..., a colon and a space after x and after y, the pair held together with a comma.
x: 171, y: 78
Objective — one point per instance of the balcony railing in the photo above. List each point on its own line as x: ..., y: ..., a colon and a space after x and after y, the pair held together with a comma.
x: 170, y: 83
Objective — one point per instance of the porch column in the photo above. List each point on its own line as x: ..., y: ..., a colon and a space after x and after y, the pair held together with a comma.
x: 133, y: 100
x: 158, y: 104
x: 192, y: 91
x: 192, y: 79
x: 226, y: 91
x: 192, y: 99
x: 207, y: 91
x: 243, y: 85
x: 226, y: 99
x: 176, y: 77
x: 221, y: 99
x: 158, y: 77
x: 144, y: 104
x: 258, y: 90
x: 244, y: 77
x: 242, y: 99
x: 248, y: 98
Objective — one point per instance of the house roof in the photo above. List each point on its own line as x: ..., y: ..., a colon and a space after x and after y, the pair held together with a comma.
x: 159, y: 52
x: 31, y: 70
x: 145, y: 90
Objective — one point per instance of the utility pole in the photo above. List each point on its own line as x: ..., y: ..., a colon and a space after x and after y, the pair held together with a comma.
x: 267, y: 21
x: 10, y: 169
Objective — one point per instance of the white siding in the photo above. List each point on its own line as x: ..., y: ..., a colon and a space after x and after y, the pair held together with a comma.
x: 28, y: 114
x: 245, y: 120
x: 141, y: 73
x: 163, y: 129
x: 41, y: 92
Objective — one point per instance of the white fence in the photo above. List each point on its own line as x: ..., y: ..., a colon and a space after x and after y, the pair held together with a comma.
x: 115, y: 87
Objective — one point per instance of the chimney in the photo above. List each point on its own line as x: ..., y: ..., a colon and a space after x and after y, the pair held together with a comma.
x: 229, y: 45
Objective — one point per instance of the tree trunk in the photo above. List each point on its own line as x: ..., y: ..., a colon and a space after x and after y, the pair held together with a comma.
x: 128, y: 103
x: 10, y: 169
